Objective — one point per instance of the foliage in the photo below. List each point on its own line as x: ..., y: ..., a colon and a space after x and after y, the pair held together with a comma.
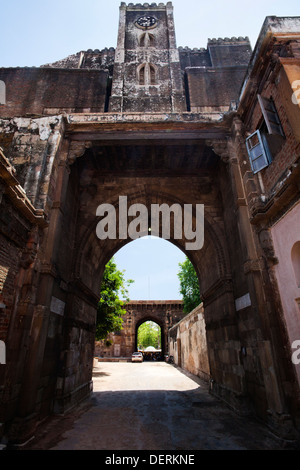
x: 149, y: 334
x: 189, y: 286
x: 110, y: 307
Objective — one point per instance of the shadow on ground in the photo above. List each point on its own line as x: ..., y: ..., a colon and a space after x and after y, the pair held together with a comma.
x: 161, y: 420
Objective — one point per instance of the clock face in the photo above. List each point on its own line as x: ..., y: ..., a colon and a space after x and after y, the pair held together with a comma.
x: 146, y: 22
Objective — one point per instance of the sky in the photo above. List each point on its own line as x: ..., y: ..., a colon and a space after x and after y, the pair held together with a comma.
x: 35, y: 32
x: 153, y: 264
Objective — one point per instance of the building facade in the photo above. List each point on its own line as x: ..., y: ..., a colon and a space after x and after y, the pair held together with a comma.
x: 217, y: 127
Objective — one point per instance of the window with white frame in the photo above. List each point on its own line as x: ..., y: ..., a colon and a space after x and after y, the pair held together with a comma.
x: 266, y: 141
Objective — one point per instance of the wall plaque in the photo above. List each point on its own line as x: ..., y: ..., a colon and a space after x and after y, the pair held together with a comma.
x: 57, y: 306
x: 242, y: 302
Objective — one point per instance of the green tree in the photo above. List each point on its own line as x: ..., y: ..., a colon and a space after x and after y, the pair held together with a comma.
x: 189, y: 286
x: 149, y: 334
x: 110, y: 307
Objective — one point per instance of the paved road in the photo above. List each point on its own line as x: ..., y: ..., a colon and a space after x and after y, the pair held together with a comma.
x: 152, y: 406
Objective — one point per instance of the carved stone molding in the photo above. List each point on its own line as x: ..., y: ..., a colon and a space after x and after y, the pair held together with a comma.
x: 77, y: 150
x: 238, y: 127
x: 220, y: 147
x: 218, y: 289
x: 266, y: 243
x: 253, y: 265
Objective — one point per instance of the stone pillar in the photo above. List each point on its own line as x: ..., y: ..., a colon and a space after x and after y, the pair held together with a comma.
x: 32, y: 306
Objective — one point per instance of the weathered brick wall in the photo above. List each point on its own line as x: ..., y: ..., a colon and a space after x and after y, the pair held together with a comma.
x: 31, y: 149
x: 8, y: 269
x: 194, y: 58
x: 90, y: 59
x: 290, y: 151
x: 13, y: 238
x: 214, y: 75
x: 229, y: 51
x: 50, y: 91
x: 214, y: 87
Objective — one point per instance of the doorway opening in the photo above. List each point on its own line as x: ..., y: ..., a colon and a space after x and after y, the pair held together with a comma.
x: 149, y: 341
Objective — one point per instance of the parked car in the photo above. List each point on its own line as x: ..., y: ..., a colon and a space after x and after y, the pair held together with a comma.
x: 137, y: 357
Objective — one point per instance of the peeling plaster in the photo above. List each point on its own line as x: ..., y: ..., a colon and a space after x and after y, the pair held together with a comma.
x: 44, y: 125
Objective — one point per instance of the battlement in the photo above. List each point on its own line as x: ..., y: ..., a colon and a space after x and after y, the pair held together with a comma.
x: 146, y: 6
x: 106, y: 50
x: 217, y: 42
x: 194, y: 49
x: 90, y: 59
x: 230, y: 41
x: 221, y: 52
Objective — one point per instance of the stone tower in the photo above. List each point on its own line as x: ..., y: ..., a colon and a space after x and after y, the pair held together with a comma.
x: 147, y: 73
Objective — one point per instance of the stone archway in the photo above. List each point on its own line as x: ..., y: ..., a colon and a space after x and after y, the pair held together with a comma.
x: 159, y: 324
x: 92, y: 173
x: 165, y: 313
x: 97, y: 167
x: 91, y: 185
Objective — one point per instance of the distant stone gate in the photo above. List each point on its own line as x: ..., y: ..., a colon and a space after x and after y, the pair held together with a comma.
x: 166, y: 313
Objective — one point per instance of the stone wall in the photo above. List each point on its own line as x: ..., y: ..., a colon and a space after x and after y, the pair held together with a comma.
x: 221, y: 87
x: 188, y: 346
x: 213, y: 76
x: 43, y: 91
x: 20, y: 223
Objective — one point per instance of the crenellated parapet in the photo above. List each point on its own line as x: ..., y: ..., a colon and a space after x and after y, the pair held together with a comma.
x: 232, y: 40
x: 145, y: 6
x: 91, y: 59
x: 221, y: 52
x: 194, y: 49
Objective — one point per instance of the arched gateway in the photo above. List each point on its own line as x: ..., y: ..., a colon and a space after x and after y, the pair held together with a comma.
x: 90, y: 133
x: 166, y: 313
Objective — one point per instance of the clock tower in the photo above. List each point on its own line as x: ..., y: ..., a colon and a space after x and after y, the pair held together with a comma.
x: 147, y: 74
